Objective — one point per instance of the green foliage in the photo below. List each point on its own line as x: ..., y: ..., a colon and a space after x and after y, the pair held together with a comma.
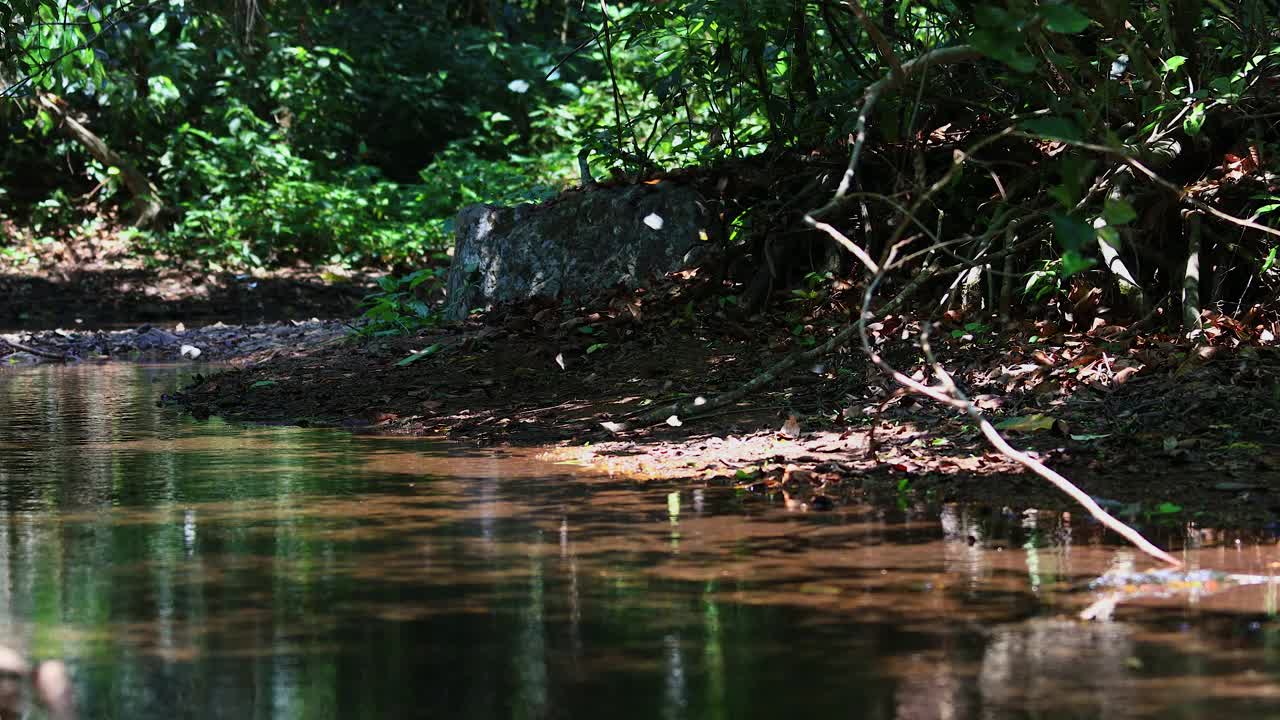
x: 354, y: 133
x: 251, y: 200
x: 401, y: 305
x: 343, y: 134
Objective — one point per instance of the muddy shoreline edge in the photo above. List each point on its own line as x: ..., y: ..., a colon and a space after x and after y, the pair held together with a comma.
x: 1182, y: 443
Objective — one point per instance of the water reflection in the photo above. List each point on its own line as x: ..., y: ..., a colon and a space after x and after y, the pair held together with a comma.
x: 190, y: 569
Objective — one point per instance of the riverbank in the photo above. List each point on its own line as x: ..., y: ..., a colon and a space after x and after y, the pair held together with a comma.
x: 96, y: 299
x: 218, y: 342
x: 100, y: 281
x: 1157, y: 429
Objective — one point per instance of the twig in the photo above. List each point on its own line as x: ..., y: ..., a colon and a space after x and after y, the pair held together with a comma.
x: 1180, y: 192
x: 33, y: 351
x: 999, y: 443
x: 949, y: 394
x: 1184, y: 195
x: 117, y: 16
x: 877, y: 38
x: 775, y: 371
x: 581, y: 46
x: 605, y: 39
x: 959, y: 53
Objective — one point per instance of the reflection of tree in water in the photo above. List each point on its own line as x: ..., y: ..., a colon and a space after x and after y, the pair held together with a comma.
x: 1076, y: 668
x: 200, y: 569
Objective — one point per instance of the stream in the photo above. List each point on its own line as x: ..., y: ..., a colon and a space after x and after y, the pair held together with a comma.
x: 199, y: 569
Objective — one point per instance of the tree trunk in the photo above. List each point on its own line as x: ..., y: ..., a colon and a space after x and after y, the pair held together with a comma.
x: 145, y: 195
x: 1191, y: 276
x: 1126, y: 282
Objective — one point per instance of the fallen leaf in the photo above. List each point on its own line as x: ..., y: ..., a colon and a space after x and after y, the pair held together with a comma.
x: 1028, y: 423
x: 1237, y: 486
x: 1086, y: 437
x: 1123, y: 375
x: 674, y: 421
x: 791, y: 428
x: 416, y: 356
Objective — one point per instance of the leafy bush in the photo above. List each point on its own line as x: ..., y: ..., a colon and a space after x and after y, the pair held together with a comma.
x: 402, y: 304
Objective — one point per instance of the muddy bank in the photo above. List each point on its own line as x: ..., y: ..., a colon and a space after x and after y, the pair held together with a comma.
x: 1159, y: 432
x: 109, y: 298
x: 218, y: 342
x: 99, y: 280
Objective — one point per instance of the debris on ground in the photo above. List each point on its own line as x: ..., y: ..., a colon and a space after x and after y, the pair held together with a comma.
x: 218, y: 342
x: 1157, y: 428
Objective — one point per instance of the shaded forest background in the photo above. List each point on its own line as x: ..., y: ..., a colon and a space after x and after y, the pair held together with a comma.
x: 1047, y: 154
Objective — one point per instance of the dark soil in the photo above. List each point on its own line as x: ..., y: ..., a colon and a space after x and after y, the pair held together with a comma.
x: 97, y: 299
x: 1161, y: 432
x: 211, y: 343
x: 96, y: 281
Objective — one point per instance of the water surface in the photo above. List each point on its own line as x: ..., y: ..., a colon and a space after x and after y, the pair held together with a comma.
x: 191, y: 569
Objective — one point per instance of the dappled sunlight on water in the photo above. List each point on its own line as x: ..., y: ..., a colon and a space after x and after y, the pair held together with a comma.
x: 199, y: 569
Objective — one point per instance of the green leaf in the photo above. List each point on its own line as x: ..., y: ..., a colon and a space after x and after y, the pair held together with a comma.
x: 1072, y: 232
x: 1005, y: 46
x: 415, y: 357
x: 262, y: 384
x: 1109, y: 235
x: 596, y: 347
x: 1194, y: 120
x: 1073, y: 262
x: 158, y: 25
x: 1000, y: 36
x: 1117, y: 211
x: 1053, y: 128
x: 1271, y: 260
x: 1088, y: 437
x: 1064, y: 19
x: 1173, y: 63
x: 1167, y: 508
x: 1064, y: 194
x: 1028, y: 424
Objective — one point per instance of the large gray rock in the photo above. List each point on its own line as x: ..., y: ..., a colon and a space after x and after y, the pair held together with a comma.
x: 581, y: 242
